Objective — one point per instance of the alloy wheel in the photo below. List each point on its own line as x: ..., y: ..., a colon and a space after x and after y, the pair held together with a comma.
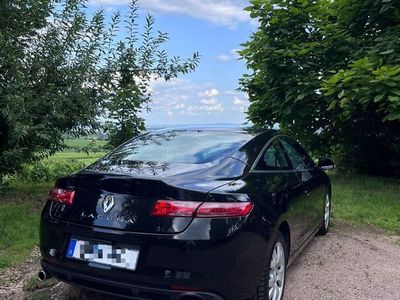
x: 327, y: 214
x: 277, y: 272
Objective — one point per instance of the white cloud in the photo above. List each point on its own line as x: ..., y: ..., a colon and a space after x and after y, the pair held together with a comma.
x: 233, y: 54
x: 210, y: 101
x: 179, y: 106
x: 217, y: 107
x: 180, y: 96
x: 240, y: 104
x: 231, y: 93
x: 224, y: 57
x: 182, y: 101
x: 209, y: 107
x: 211, y: 104
x: 209, y: 93
x: 220, y: 12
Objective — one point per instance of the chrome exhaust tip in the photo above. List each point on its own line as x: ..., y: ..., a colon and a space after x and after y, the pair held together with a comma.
x: 42, y: 275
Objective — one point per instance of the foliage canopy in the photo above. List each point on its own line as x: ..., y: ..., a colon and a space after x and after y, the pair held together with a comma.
x: 329, y: 73
x: 64, y: 72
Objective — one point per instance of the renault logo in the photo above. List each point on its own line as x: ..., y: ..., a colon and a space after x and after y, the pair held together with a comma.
x: 108, y: 203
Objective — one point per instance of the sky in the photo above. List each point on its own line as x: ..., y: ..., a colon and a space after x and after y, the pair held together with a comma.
x: 214, y: 28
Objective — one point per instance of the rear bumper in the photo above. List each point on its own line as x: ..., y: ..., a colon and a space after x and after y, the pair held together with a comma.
x: 199, y: 260
x: 121, y: 289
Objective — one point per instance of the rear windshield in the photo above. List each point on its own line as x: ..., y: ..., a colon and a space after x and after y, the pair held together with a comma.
x: 195, y: 147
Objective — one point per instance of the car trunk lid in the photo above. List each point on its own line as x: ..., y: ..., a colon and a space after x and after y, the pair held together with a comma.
x: 121, y: 202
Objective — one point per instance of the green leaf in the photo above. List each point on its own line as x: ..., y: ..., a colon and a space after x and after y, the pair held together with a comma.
x: 332, y: 104
x: 393, y: 116
x: 395, y: 91
x: 387, y: 52
x: 390, y: 83
x: 394, y: 98
x: 294, y: 10
x: 343, y: 102
x: 341, y: 94
x: 379, y: 97
x: 385, y: 8
x: 330, y: 92
x: 303, y: 51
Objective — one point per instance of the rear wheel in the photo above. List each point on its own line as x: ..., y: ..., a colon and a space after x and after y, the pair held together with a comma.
x: 326, y: 219
x: 272, y: 283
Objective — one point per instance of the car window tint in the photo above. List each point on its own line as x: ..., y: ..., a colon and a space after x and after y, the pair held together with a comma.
x: 297, y: 155
x: 273, y: 159
x: 190, y: 146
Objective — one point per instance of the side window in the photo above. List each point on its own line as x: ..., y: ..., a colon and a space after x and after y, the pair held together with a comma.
x: 297, y: 155
x: 273, y: 158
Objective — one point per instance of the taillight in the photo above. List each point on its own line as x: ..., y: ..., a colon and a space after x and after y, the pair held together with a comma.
x: 224, y: 209
x: 185, y: 288
x: 172, y: 208
x: 167, y: 208
x: 65, y: 196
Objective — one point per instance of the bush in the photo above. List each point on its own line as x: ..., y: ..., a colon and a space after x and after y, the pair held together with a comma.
x: 46, y: 170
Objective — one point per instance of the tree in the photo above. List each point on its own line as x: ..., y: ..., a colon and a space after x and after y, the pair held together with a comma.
x: 61, y: 72
x: 137, y: 63
x: 329, y: 73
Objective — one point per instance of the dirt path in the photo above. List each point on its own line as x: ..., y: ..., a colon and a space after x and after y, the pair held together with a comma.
x: 12, y: 280
x: 349, y: 263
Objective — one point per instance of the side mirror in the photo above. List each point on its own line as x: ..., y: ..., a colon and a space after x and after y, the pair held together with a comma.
x: 325, y: 163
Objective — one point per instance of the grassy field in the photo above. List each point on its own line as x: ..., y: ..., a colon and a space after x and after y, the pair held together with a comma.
x: 81, y: 143
x: 72, y: 153
x: 76, y: 156
x: 19, y: 222
x: 22, y: 203
x: 367, y: 200
x: 360, y: 200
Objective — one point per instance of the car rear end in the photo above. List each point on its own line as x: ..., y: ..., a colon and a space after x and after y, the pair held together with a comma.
x: 147, y: 237
x: 170, y: 250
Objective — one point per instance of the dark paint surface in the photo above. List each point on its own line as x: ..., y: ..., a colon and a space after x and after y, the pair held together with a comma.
x: 225, y: 256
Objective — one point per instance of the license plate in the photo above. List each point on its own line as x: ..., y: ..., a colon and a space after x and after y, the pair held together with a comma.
x: 105, y: 254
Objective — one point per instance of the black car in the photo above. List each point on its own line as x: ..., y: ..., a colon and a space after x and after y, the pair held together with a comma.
x: 187, y: 214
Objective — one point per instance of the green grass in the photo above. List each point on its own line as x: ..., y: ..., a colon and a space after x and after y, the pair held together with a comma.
x: 78, y: 156
x: 367, y: 200
x: 22, y: 203
x: 20, y: 211
x: 81, y: 143
x: 26, y: 192
x: 72, y: 154
x: 19, y: 225
x: 19, y: 222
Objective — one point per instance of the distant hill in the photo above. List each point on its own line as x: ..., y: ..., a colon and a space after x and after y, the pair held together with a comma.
x: 162, y: 126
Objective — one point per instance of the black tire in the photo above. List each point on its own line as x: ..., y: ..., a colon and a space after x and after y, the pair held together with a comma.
x: 325, y: 226
x: 263, y: 286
